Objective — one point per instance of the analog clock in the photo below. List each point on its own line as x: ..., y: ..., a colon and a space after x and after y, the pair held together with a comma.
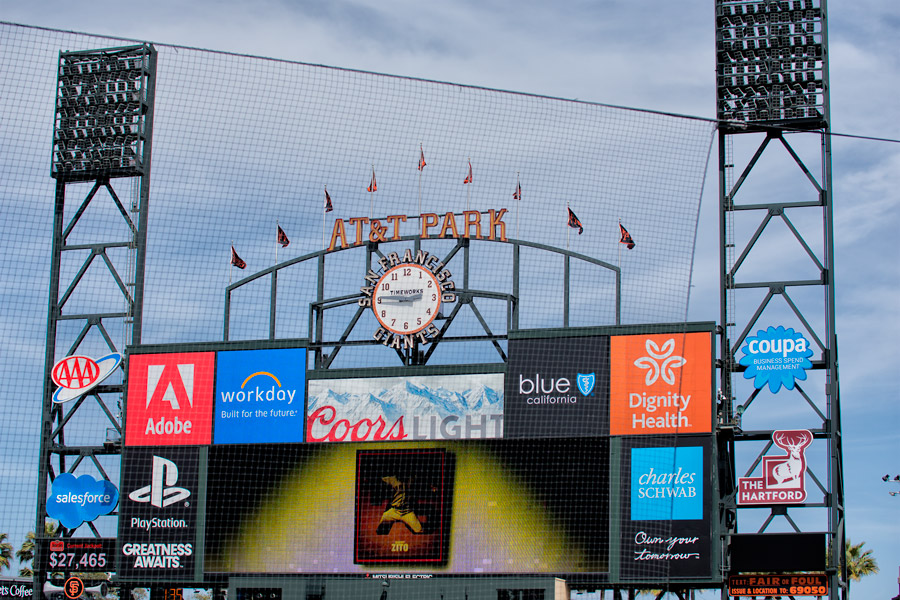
x: 406, y: 299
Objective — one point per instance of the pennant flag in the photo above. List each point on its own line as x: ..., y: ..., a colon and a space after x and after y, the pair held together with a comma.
x: 626, y: 237
x: 236, y: 260
x: 468, y: 178
x: 373, y: 187
x: 574, y: 222
x: 421, y: 158
x: 283, y: 238
x: 518, y: 194
x: 328, y: 206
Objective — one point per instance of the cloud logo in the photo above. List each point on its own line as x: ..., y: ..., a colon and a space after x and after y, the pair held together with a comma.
x: 777, y: 357
x: 74, y: 500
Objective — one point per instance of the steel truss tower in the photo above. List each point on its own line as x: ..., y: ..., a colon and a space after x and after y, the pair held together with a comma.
x: 772, y: 100
x: 101, y: 146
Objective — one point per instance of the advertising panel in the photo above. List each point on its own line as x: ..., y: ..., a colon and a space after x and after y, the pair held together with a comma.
x: 260, y: 396
x: 403, y: 506
x: 661, y: 383
x: 74, y: 500
x: 784, y: 477
x: 170, y: 399
x: 84, y: 555
x: 776, y: 357
x: 518, y: 506
x: 158, y: 513
x: 557, y: 387
x: 423, y: 407
x: 666, y: 508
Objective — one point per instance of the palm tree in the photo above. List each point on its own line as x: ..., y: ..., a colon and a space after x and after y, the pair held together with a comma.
x: 859, y: 563
x: 6, y: 552
x: 25, y: 553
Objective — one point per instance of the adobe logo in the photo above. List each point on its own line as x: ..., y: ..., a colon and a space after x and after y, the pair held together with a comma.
x: 170, y: 399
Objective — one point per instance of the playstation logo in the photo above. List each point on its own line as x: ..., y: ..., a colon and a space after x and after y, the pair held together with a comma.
x: 162, y: 491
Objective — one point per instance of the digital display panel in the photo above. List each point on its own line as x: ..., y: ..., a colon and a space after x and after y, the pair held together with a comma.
x: 490, y: 506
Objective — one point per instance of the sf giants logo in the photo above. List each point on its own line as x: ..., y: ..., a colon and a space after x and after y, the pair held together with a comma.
x: 170, y: 399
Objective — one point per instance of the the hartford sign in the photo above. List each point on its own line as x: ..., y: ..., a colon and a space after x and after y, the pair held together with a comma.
x: 784, y: 477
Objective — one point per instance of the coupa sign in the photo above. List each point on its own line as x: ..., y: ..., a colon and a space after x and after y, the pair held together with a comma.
x: 74, y: 500
x: 776, y: 357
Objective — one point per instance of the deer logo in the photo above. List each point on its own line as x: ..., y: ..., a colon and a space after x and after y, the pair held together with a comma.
x: 787, y: 472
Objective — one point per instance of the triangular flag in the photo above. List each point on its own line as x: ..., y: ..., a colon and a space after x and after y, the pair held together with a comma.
x: 328, y: 205
x: 468, y: 178
x: 574, y: 222
x: 236, y: 260
x: 625, y: 237
x: 518, y: 194
x: 283, y: 238
x: 421, y: 158
x: 373, y: 187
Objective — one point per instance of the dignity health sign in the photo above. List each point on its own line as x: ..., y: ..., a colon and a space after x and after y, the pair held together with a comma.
x: 660, y: 383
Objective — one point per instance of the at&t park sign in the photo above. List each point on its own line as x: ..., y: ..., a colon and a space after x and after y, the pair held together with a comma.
x: 471, y: 224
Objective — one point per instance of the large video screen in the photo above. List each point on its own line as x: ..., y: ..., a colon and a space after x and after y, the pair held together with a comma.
x: 455, y: 507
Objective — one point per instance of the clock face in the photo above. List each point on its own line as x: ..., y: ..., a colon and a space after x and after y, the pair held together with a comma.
x: 406, y: 299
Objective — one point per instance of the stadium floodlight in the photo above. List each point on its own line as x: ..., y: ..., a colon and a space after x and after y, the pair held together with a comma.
x: 101, y: 111
x: 770, y: 62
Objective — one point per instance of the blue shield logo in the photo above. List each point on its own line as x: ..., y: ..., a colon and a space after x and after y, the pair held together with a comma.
x: 586, y: 383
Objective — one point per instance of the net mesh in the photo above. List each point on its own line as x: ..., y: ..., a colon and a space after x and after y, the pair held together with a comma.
x: 243, y: 146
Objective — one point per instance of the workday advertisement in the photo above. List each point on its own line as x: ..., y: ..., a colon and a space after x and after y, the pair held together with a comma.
x: 260, y: 396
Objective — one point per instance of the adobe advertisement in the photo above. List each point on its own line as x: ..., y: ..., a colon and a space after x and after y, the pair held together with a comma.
x: 661, y: 383
x: 438, y: 507
x: 158, y: 513
x: 557, y: 387
x: 666, y: 504
x: 423, y: 407
x: 170, y: 399
x: 403, y: 506
x: 260, y: 396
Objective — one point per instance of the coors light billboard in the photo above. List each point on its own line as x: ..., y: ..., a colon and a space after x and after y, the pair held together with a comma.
x: 426, y: 407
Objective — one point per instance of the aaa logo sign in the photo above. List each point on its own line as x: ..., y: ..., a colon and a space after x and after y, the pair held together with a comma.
x: 661, y: 383
x: 170, y: 399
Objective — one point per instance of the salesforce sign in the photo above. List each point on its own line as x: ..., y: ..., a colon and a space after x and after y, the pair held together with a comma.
x: 74, y: 500
x: 776, y: 357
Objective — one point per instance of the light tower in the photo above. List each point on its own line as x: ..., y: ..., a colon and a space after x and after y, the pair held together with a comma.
x: 101, y: 160
x: 772, y: 100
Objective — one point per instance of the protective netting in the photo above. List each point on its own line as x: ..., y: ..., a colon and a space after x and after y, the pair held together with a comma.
x: 244, y: 149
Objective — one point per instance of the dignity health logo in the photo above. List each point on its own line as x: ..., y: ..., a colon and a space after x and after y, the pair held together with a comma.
x: 660, y: 362
x: 661, y: 383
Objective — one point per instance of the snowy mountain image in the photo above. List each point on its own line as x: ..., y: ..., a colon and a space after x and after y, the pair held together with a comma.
x: 425, y: 407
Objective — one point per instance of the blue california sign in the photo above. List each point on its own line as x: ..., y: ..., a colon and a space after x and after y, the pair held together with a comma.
x: 776, y: 357
x: 74, y: 500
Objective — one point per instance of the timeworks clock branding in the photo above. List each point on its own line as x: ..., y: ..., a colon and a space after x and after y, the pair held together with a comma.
x: 406, y: 296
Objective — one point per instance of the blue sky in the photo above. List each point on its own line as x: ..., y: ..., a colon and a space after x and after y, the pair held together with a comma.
x: 658, y: 57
